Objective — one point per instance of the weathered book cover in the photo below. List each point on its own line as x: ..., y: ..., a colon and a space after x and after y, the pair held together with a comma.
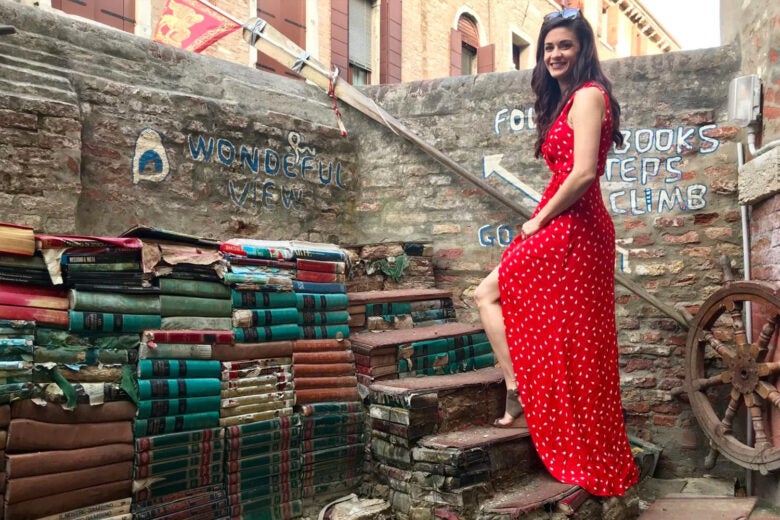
x: 174, y: 351
x: 176, y: 423
x: 279, y: 423
x: 412, y: 432
x: 106, y: 510
x: 196, y: 323
x: 320, y: 277
x: 91, y: 267
x: 171, y: 388
x: 142, y: 504
x: 245, y: 260
x: 276, y: 375
x: 239, y: 351
x: 404, y: 416
x: 330, y: 408
x: 331, y: 441
x: 163, y: 407
x: 377, y: 371
x: 388, y: 308
x: 254, y: 417
x: 313, y: 358
x: 306, y: 383
x: 48, y: 317
x: 20, y: 465
x: 33, y: 296
x: 291, y: 457
x: 248, y: 409
x: 189, y: 336
x: 82, y: 356
x: 322, y: 317
x: 184, y: 504
x: 113, y: 302
x: 178, y: 439
x: 375, y: 360
x: 67, y: 241
x: 195, y: 288
x: 321, y: 266
x: 175, y: 305
x: 320, y: 345
x: 17, y: 239
x: 183, y: 368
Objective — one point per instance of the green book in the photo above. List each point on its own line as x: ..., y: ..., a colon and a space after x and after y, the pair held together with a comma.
x: 80, y: 355
x: 209, y: 462
x: 264, y: 438
x: 270, y: 333
x: 52, y: 338
x: 179, y: 451
x: 322, y: 317
x: 278, y: 423
x: 175, y: 423
x: 196, y: 288
x: 168, y: 440
x: 267, y: 459
x: 181, y: 368
x: 171, y: 388
x: 86, y: 267
x: 82, y: 321
x: 321, y: 302
x: 173, y: 305
x: 324, y: 331
x: 109, y: 302
x: 196, y: 323
x: 262, y: 317
x: 187, y: 405
x: 263, y: 300
x: 390, y: 308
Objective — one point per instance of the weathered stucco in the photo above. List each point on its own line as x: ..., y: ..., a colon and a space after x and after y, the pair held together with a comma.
x: 82, y: 107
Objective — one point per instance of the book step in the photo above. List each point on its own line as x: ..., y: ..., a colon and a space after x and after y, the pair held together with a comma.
x: 397, y: 295
x: 533, y: 498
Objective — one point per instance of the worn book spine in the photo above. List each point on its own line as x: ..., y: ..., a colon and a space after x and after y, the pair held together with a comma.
x: 189, y: 336
x: 320, y: 369
x: 183, y: 368
x: 88, y: 267
x: 207, y: 472
x: 268, y: 397
x: 207, y: 462
x: 388, y: 308
x: 195, y: 288
x: 171, y: 388
x: 263, y: 300
x: 322, y: 317
x: 196, y: 323
x: 320, y: 345
x: 334, y: 419
x: 111, y: 322
x: 176, y: 423
x: 273, y: 366
x: 153, y: 489
x: 328, y: 488
x: 320, y: 254
x: 433, y: 314
x: 174, y: 305
x: 164, y: 407
x: 326, y: 394
x: 77, y: 355
x: 17, y: 239
x: 178, y: 439
x: 175, y: 506
x: 324, y: 331
x: 174, y: 351
x: 142, y: 504
x: 238, y: 351
x: 307, y: 383
x: 375, y: 361
x: 291, y: 457
x: 377, y: 371
x: 319, y: 287
x: 330, y: 408
x: 30, y: 435
x: 31, y: 296
x: 248, y: 409
x: 19, y: 465
x: 178, y: 452
x: 113, y: 302
x: 288, y: 331
x: 343, y: 356
x: 279, y: 423
x: 254, y: 417
x: 49, y: 317
x: 276, y: 376
x: 321, y: 302
x: 67, y: 241
x: 287, y: 511
x: 262, y: 317
x: 106, y: 510
x: 321, y: 266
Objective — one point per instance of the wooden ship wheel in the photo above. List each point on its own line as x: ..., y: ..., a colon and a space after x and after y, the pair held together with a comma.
x: 731, y: 380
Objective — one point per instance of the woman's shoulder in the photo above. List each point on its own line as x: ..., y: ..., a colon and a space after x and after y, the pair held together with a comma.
x: 590, y: 94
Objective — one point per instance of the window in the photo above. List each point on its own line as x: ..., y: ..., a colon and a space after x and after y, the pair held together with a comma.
x: 289, y: 18
x: 608, y: 25
x: 119, y: 14
x: 360, y: 41
x: 466, y: 56
x: 521, y: 54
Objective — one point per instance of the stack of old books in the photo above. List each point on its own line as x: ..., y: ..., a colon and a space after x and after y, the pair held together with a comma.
x: 42, y: 303
x: 263, y: 468
x: 68, y: 462
x: 178, y: 440
x: 457, y: 348
x: 333, y: 448
x: 399, y: 309
x: 16, y: 359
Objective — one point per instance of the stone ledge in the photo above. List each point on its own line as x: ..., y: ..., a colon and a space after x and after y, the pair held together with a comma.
x: 759, y: 178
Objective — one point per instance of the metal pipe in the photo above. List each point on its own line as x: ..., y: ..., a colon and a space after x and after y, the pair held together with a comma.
x: 751, y: 139
x: 745, y: 213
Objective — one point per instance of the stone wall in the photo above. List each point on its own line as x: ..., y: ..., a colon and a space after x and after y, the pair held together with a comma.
x: 102, y: 130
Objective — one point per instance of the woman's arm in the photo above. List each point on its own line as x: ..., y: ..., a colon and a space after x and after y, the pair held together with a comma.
x: 585, y: 117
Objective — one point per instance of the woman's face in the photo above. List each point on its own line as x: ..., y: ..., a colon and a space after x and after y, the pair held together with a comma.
x: 561, y: 49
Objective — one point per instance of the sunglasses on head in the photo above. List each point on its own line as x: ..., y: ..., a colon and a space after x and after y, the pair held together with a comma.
x: 570, y: 13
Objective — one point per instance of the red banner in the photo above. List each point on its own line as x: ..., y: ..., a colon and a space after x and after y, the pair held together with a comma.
x: 191, y: 25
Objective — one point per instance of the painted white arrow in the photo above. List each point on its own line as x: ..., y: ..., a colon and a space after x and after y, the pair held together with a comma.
x: 492, y: 164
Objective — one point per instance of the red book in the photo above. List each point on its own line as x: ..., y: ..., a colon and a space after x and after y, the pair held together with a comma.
x: 325, y: 382
x: 41, y: 316
x: 316, y: 395
x: 320, y: 345
x: 66, y: 241
x: 385, y: 370
x: 333, y: 369
x: 321, y: 266
x: 316, y: 276
x: 324, y: 358
x: 32, y: 296
x: 189, y: 336
x: 232, y: 249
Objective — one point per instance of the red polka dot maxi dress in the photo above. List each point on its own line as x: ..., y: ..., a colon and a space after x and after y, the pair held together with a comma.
x: 557, y: 297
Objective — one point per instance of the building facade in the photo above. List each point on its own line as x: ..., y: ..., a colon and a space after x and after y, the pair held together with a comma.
x: 394, y: 41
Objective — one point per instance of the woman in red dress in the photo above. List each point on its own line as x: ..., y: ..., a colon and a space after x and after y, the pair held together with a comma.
x: 548, y: 308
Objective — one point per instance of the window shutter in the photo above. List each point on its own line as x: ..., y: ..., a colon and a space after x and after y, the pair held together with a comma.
x: 360, y: 33
x: 468, y: 31
x: 455, y: 52
x: 289, y: 18
x: 339, y: 36
x: 390, y: 55
x: 486, y: 58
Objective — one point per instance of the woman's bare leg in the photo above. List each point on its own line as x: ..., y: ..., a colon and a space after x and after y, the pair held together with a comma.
x: 488, y: 301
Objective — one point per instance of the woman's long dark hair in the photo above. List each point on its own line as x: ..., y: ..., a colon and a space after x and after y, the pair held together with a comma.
x: 549, y: 98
